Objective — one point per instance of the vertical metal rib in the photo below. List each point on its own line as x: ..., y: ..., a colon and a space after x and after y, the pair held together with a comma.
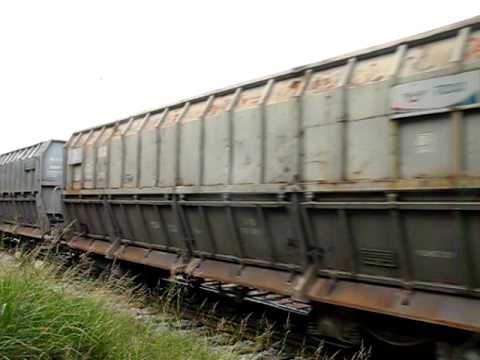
x: 294, y: 210
x: 267, y: 234
x: 460, y: 46
x: 183, y: 228
x: 457, y: 144
x: 309, y: 233
x: 109, y: 156
x: 401, y: 241
x: 201, y: 142
x: 207, y: 229
x: 465, y: 258
x: 124, y: 152
x: 300, y: 141
x: 82, y: 171
x: 145, y: 226
x: 100, y: 218
x: 75, y: 216
x: 178, y: 139
x: 158, y: 147
x: 345, y: 81
x: 346, y: 233
x: 85, y: 216
x: 263, y: 129
x: 231, y: 134
x: 398, y: 62
x: 95, y: 156
x: 69, y: 167
x: 139, y: 150
x: 114, y: 230
x: 163, y: 226
x: 394, y: 126
x: 234, y: 231
x: 126, y: 221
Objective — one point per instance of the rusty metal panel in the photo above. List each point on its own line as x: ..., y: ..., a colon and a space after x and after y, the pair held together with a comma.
x: 29, y: 232
x: 277, y: 281
x: 88, y: 245
x: 373, y: 70
x: 428, y: 57
x: 472, y: 51
x: 422, y: 306
x: 161, y: 260
x: 326, y: 80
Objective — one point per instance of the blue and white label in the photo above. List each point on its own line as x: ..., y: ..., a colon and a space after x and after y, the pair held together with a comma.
x: 437, y: 93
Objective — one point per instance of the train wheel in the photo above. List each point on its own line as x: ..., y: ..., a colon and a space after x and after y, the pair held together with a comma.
x: 469, y: 350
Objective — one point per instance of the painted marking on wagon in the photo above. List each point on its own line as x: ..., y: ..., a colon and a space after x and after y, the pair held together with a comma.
x: 172, y: 228
x: 436, y: 254
x: 425, y: 143
x: 155, y: 224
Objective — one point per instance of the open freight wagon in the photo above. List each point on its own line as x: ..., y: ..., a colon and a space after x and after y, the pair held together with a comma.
x: 353, y: 182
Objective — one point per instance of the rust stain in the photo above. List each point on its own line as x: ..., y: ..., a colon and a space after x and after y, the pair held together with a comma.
x: 162, y: 260
x: 249, y: 98
x: 428, y: 57
x: 30, y: 232
x: 172, y: 117
x: 372, y: 70
x: 89, y: 245
x: 220, y: 104
x: 284, y: 90
x: 440, y: 309
x: 325, y: 80
x: 248, y: 276
x: 194, y: 112
x: 472, y: 52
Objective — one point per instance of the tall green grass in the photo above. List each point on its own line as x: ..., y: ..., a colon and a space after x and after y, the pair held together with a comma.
x: 45, y: 315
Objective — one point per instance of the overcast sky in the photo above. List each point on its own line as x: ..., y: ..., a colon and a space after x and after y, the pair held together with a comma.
x: 68, y: 65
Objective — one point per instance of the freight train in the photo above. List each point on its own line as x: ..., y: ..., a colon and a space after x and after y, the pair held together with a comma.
x: 352, y: 184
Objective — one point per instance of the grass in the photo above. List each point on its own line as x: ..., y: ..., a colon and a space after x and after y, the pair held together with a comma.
x: 48, y: 314
x: 48, y: 311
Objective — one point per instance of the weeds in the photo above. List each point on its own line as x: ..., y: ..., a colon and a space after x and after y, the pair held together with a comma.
x: 46, y: 313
